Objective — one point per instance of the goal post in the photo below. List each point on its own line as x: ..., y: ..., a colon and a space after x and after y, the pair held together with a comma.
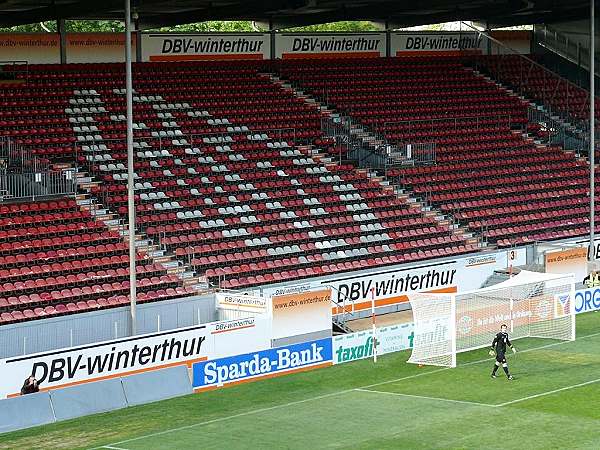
x: 531, y: 304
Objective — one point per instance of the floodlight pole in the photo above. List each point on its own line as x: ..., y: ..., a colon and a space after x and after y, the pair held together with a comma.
x: 592, y: 131
x: 130, y: 179
x: 373, y: 326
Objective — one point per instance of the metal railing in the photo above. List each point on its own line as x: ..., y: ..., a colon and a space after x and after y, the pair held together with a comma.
x: 371, y: 149
x: 22, y: 186
x: 338, y: 129
x: 15, y: 70
x: 530, y: 79
x: 450, y: 123
x: 17, y: 158
x: 559, y: 43
x: 413, y: 153
x: 356, y: 141
x: 554, y: 132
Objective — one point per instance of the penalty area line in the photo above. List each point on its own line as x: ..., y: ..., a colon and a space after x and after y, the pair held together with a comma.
x: 554, y: 391
x: 298, y: 402
x: 254, y: 411
x: 424, y: 397
x: 479, y: 361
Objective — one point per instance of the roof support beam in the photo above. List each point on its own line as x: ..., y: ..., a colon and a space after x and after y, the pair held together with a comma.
x: 245, y: 10
x: 75, y: 9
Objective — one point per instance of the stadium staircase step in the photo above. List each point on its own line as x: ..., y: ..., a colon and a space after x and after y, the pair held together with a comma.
x: 358, y: 132
x: 84, y: 181
x: 339, y: 327
x: 564, y: 123
x: 143, y: 243
x: 87, y: 202
x: 429, y: 210
x: 366, y: 137
x: 497, y: 277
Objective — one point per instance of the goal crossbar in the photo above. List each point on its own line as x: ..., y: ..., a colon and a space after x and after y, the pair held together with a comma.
x: 531, y: 304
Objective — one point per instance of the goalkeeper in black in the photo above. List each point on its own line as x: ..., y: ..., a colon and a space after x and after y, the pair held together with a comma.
x: 501, y: 341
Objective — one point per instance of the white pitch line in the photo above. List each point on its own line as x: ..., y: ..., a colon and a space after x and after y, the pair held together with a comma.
x: 479, y: 361
x: 424, y: 397
x: 543, y: 394
x: 345, y: 391
x: 222, y: 419
x: 113, y: 448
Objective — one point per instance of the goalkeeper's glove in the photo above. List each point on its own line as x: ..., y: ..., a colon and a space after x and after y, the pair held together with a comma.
x: 513, y: 349
x: 492, y: 352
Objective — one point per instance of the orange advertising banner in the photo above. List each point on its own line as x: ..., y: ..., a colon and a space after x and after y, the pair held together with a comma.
x: 573, y: 261
x: 301, y: 313
x: 44, y: 48
x: 97, y: 47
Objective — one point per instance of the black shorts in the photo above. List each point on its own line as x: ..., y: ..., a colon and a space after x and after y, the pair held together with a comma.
x: 500, y: 357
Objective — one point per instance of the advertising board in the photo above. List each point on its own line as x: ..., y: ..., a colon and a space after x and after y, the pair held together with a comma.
x: 329, y: 45
x: 262, y: 364
x: 432, y: 43
x: 132, y: 355
x: 213, y: 46
x: 360, y: 345
x: 301, y: 313
x: 354, y: 291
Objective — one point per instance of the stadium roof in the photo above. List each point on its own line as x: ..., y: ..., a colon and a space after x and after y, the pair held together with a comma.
x: 287, y: 13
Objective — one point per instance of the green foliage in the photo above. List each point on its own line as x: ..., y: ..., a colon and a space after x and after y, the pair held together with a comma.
x: 73, y: 26
x: 213, y: 26
x: 346, y: 26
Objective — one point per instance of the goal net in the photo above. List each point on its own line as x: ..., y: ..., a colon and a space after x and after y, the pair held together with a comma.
x: 531, y: 304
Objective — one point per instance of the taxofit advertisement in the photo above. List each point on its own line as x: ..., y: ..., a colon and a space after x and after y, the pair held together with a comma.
x: 128, y: 356
x: 360, y: 345
x: 262, y: 364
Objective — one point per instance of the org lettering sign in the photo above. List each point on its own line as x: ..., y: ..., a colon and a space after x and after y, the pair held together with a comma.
x: 352, y: 347
x: 587, y: 300
x: 261, y: 364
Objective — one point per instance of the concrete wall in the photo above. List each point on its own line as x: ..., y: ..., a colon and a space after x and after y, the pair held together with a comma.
x: 79, y: 329
x: 578, y: 31
x: 91, y: 398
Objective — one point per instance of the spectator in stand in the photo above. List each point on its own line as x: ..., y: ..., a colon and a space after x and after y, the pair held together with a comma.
x: 30, y: 386
x: 592, y: 280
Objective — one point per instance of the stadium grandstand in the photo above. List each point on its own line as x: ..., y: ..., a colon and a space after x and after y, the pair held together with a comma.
x: 153, y: 182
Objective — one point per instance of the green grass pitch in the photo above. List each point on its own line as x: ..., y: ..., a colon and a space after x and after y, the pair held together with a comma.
x: 553, y: 403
